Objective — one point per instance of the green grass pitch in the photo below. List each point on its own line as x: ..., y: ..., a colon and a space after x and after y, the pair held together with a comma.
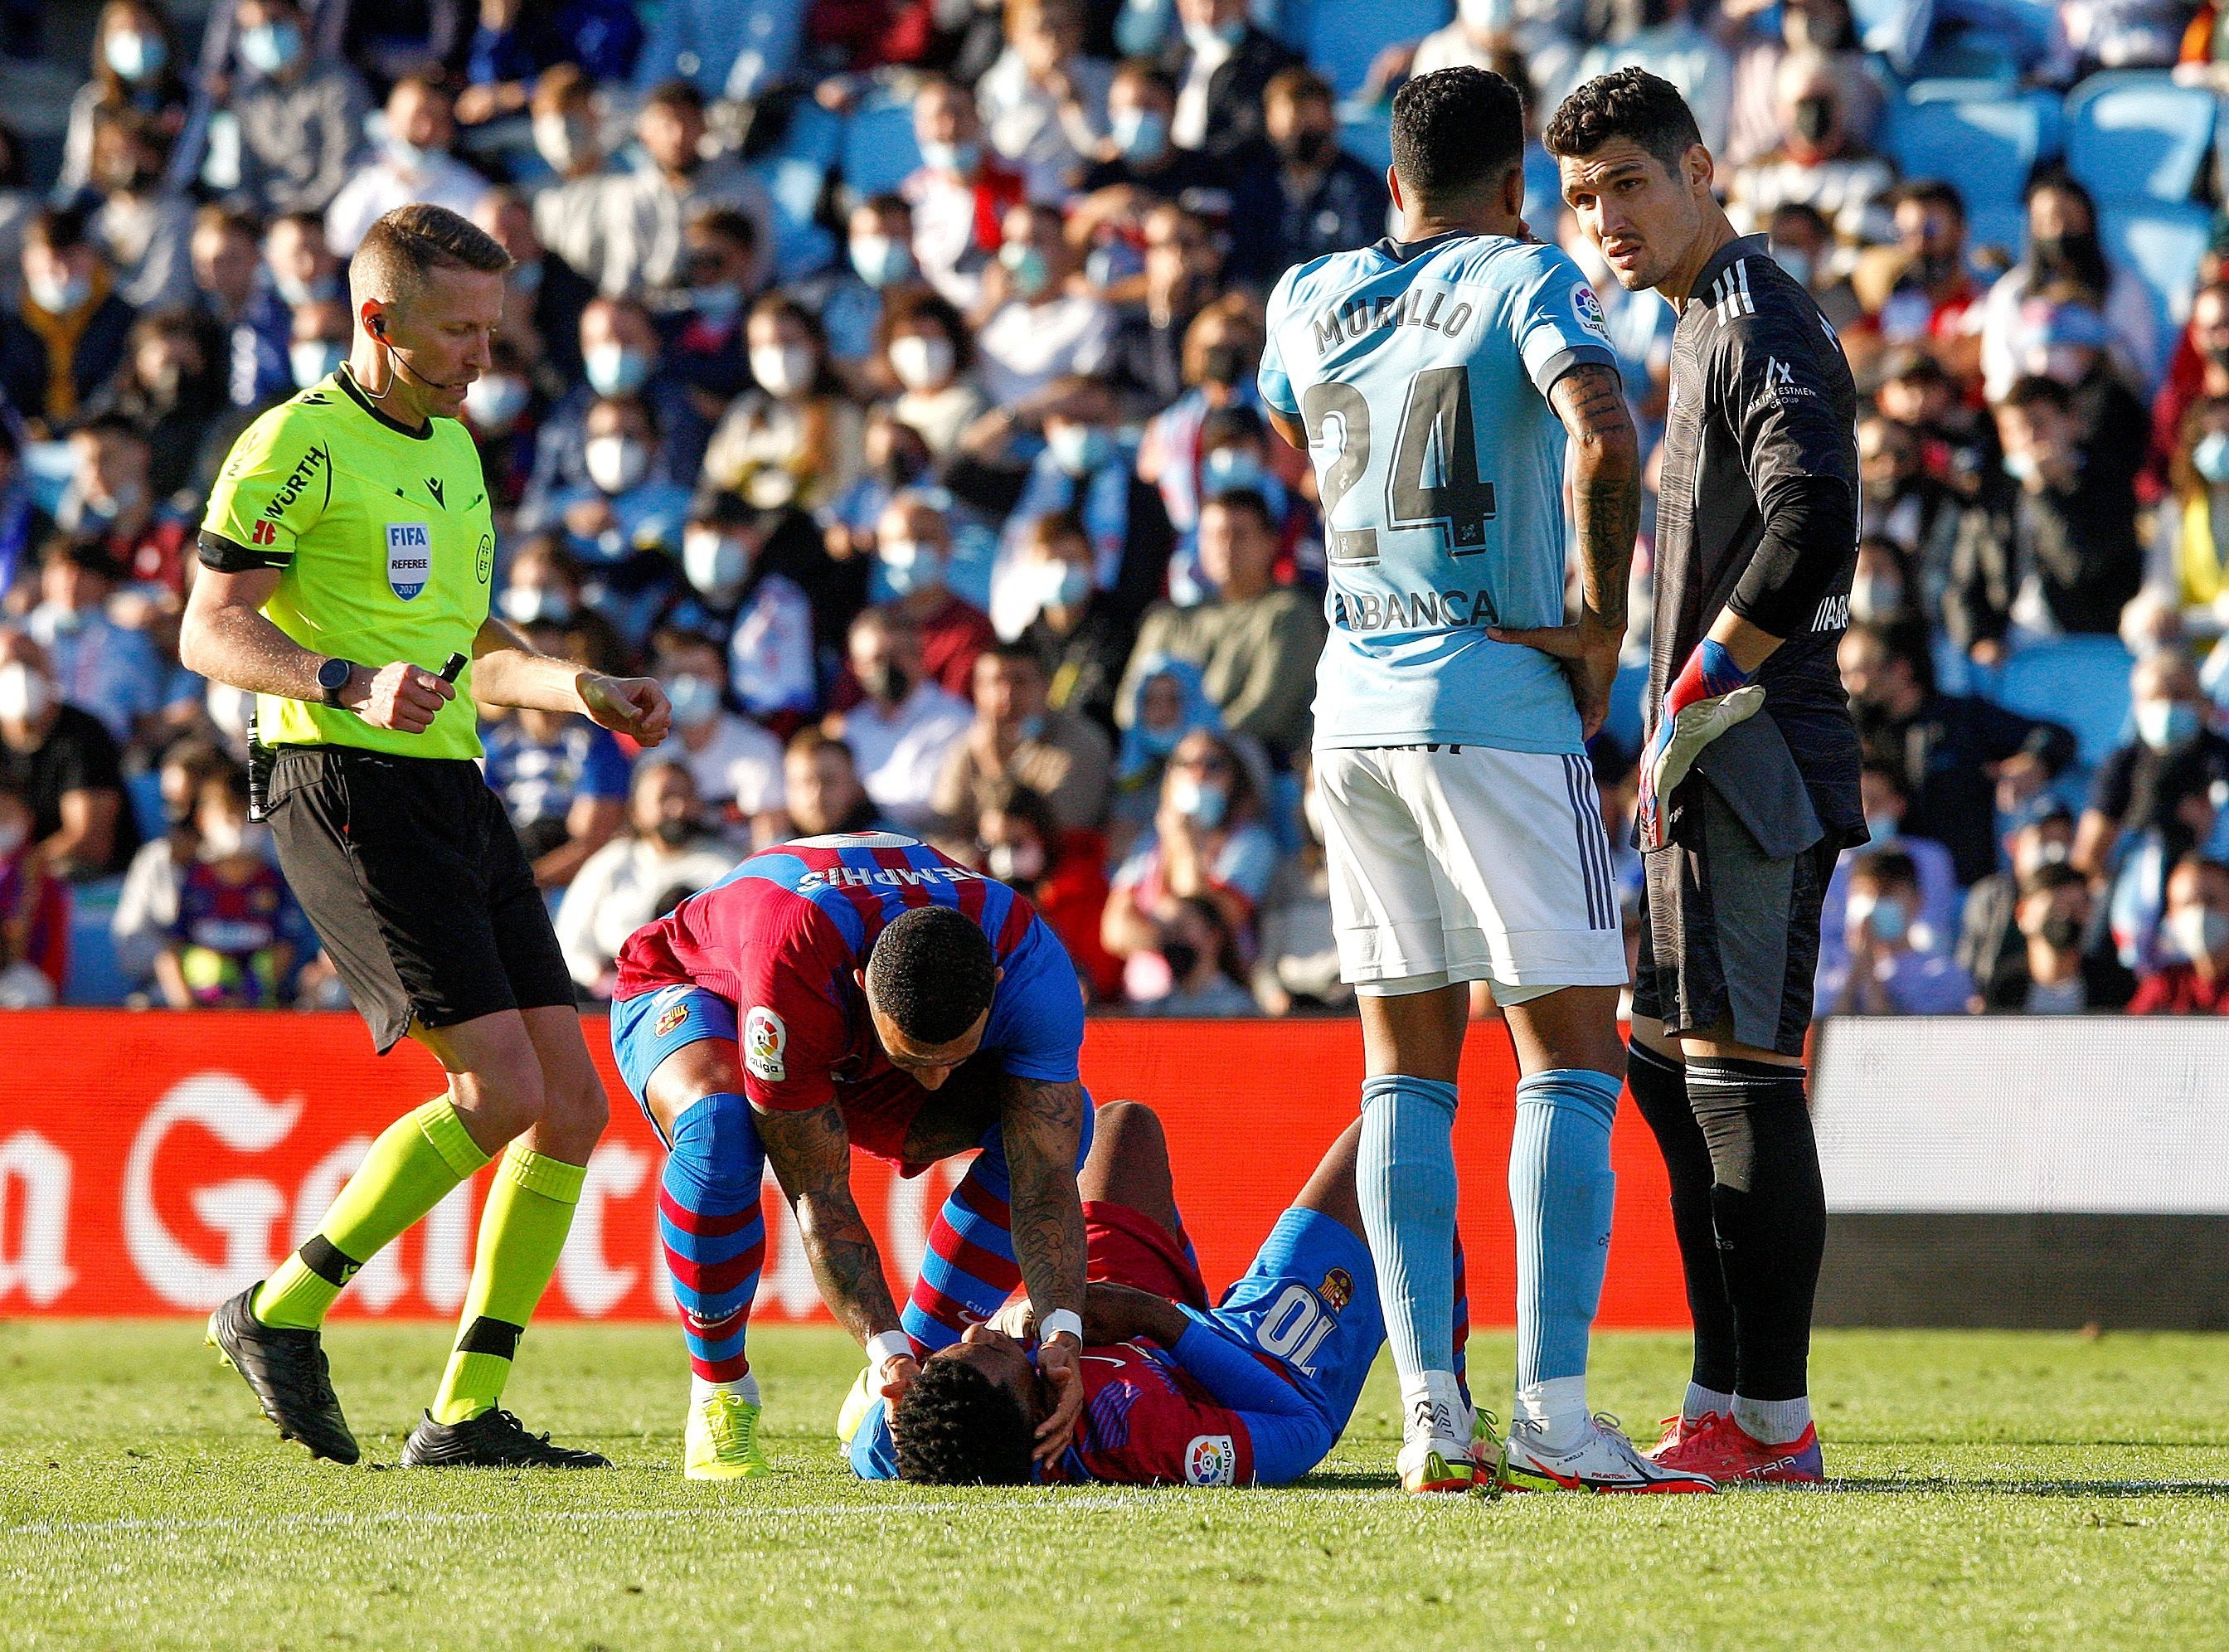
x: 1991, y: 1489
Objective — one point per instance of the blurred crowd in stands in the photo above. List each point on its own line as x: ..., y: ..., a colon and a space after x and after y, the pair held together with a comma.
x: 879, y: 375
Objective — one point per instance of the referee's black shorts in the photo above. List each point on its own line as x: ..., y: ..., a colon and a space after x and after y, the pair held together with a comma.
x: 1728, y: 935
x: 408, y: 869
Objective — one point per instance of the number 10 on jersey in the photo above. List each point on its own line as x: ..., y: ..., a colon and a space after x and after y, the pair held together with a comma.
x: 1433, y: 480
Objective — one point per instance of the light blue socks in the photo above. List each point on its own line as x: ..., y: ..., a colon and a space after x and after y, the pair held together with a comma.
x: 1561, y: 1191
x: 1405, y: 1177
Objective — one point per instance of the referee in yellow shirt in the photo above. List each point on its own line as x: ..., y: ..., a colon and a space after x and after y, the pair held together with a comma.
x: 345, y: 564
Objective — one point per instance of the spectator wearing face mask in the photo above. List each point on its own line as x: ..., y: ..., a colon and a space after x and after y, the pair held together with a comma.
x: 1819, y: 161
x: 2199, y: 372
x: 642, y: 215
x: 894, y: 458
x: 630, y: 503
x: 96, y: 665
x: 2067, y: 343
x: 1037, y: 322
x: 1883, y: 971
x: 1803, y: 241
x: 1935, y: 916
x: 1884, y: 589
x: 734, y: 559
x: 543, y: 588
x: 144, y: 227
x: 64, y: 764
x: 301, y: 118
x: 2166, y: 781
x: 67, y: 336
x: 1042, y: 102
x: 2066, y: 259
x: 567, y: 127
x: 1081, y: 635
x: 1060, y: 870
x: 1202, y: 960
x: 700, y: 318
x: 1326, y: 200
x: 668, y: 851
x: 1015, y: 737
x: 1297, y: 968
x: 735, y: 763
x: 2058, y: 551
x: 231, y: 943
x: 1140, y: 165
x: 135, y: 71
x: 1221, y: 65
x: 960, y: 194
x: 1160, y: 706
x: 1085, y: 470
x: 821, y: 780
x: 1807, y: 28
x: 1902, y: 501
x: 926, y: 352
x: 1222, y: 349
x: 1961, y: 757
x: 796, y: 438
x: 1255, y: 642
x: 110, y: 506
x: 2060, y: 971
x: 414, y: 163
x: 2197, y: 924
x: 2189, y: 564
x: 501, y: 412
x: 1919, y: 290
x: 1177, y: 292
x: 877, y: 272
x: 912, y: 544
x: 903, y: 727
x: 1958, y: 444
x: 1207, y: 839
x: 1991, y: 946
x: 621, y: 355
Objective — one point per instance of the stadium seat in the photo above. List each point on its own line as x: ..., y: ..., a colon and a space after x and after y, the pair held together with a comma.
x: 1977, y: 139
x: 2163, y: 245
x: 2137, y: 136
x: 1366, y: 131
x: 1341, y: 38
x: 795, y: 185
x: 94, y: 975
x: 879, y: 145
x: 144, y: 792
x: 2082, y: 681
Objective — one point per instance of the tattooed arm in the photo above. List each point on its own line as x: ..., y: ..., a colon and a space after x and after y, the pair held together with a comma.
x: 1042, y: 1128
x: 1606, y: 503
x: 811, y: 1153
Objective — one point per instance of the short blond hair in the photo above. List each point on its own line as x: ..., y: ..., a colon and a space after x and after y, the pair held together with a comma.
x: 400, y: 251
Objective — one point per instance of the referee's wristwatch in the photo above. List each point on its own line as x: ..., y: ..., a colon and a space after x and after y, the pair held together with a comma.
x: 333, y: 679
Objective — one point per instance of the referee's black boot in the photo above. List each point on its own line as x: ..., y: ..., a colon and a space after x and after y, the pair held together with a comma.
x: 286, y: 1370
x: 494, y: 1439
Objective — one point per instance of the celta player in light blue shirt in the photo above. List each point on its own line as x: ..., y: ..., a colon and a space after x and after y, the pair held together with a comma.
x: 1437, y: 382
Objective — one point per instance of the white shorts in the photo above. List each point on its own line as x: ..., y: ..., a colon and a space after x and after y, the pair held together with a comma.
x: 1464, y: 862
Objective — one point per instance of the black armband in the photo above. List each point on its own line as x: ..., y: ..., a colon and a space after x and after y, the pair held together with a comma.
x: 1810, y: 538
x: 225, y: 555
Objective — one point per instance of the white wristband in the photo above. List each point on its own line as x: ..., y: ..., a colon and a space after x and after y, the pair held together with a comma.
x: 1060, y: 1320
x: 891, y: 1344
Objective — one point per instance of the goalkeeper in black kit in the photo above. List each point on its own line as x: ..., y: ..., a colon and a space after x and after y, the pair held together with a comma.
x: 1742, y: 814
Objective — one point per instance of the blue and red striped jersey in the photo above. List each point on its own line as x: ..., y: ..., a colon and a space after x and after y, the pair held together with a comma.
x: 783, y: 938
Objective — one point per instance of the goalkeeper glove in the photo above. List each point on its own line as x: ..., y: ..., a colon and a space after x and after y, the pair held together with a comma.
x: 1709, y: 696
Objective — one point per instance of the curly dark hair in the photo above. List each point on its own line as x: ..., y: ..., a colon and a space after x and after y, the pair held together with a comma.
x: 1457, y: 130
x: 933, y: 973
x: 956, y: 1427
x: 1629, y: 103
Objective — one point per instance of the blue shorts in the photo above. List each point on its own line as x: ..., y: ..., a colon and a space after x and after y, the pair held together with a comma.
x: 648, y: 1029
x: 1310, y: 1302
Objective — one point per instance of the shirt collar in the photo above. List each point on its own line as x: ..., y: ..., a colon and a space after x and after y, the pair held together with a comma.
x: 356, y: 394
x: 1401, y: 251
x: 1739, y: 247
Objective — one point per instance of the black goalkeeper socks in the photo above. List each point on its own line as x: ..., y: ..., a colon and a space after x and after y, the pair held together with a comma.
x: 1768, y: 1206
x: 1660, y: 1090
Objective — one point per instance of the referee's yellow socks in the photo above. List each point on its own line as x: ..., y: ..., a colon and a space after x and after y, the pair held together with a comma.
x: 412, y: 1166
x: 528, y: 1212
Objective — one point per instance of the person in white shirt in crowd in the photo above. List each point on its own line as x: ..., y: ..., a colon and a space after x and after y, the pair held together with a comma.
x: 1883, y: 971
x: 797, y: 439
x: 930, y: 354
x: 413, y: 163
x: 736, y: 765
x: 644, y: 213
x: 1936, y: 921
x: 667, y: 852
x: 877, y: 269
x: 902, y: 733
x: 957, y: 193
x: 1043, y: 103
x: 1542, y: 32
x: 1662, y: 37
x: 1819, y: 162
x: 300, y: 119
x: 727, y: 554
x: 98, y: 665
x: 2065, y: 260
x: 1221, y: 66
x: 567, y: 125
x: 1037, y: 322
x: 1084, y: 468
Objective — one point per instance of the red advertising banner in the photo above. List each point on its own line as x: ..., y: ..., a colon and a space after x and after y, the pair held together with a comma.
x: 156, y: 1163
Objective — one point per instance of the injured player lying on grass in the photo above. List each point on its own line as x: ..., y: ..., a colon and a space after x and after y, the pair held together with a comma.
x: 1256, y: 1389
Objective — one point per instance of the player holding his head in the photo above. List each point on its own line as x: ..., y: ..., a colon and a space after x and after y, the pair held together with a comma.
x: 1435, y: 380
x: 1253, y: 1392
x: 1757, y: 530
x: 858, y: 990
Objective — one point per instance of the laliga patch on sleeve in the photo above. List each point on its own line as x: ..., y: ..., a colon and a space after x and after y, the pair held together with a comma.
x: 765, y: 1038
x: 1210, y: 1460
x: 1587, y: 309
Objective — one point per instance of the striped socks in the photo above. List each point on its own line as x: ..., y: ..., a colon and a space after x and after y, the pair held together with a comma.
x: 713, y: 1234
